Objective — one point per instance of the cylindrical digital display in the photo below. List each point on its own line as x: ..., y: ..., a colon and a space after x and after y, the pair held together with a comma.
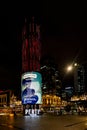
x: 31, y: 83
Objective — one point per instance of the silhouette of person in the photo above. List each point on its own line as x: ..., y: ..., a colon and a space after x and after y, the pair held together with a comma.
x: 28, y: 94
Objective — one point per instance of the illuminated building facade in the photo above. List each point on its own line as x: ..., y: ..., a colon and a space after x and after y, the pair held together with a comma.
x: 5, y: 98
x: 51, y: 101
x: 31, y: 47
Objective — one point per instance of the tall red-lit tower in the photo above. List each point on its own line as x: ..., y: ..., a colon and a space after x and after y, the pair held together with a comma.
x: 31, y: 46
x: 31, y: 53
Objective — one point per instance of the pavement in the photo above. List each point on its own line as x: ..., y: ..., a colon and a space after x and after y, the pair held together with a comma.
x: 44, y: 122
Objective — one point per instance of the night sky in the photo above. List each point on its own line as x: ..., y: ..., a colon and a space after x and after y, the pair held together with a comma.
x: 63, y: 35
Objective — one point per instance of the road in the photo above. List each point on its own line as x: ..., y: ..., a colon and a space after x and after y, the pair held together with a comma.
x: 44, y: 122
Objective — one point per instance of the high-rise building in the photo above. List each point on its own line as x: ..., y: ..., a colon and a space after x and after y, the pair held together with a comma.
x: 31, y: 93
x: 31, y: 46
x: 80, y: 77
x: 50, y: 77
x: 51, y: 84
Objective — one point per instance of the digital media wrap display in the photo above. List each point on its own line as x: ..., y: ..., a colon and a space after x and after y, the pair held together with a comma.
x: 31, y: 83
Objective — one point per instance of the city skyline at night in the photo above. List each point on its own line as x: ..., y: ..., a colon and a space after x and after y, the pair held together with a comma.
x: 63, y: 37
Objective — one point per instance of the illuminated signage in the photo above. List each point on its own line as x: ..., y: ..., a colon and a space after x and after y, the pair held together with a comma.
x: 31, y: 83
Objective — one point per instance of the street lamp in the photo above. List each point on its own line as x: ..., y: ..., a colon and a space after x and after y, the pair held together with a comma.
x: 69, y: 68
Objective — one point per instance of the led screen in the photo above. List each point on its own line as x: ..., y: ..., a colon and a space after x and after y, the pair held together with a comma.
x: 31, y: 83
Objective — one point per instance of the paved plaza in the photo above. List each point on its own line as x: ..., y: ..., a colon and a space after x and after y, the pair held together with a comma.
x: 44, y: 122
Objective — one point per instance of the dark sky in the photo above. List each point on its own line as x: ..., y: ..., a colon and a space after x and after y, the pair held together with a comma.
x: 63, y: 35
